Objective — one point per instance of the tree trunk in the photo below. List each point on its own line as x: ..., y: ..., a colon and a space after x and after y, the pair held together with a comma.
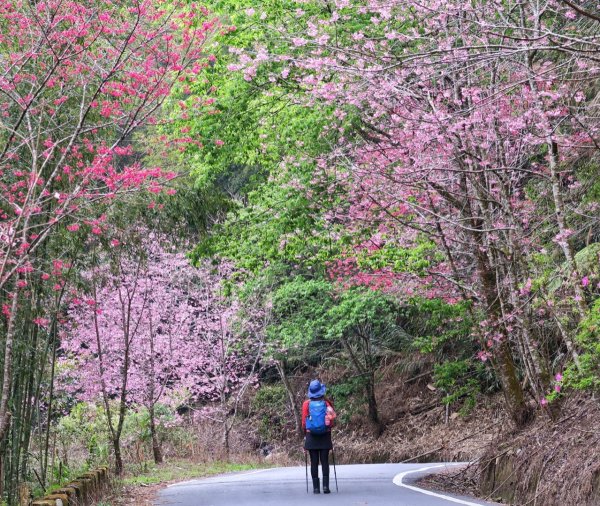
x: 369, y: 377
x: 372, y: 404
x: 565, y: 243
x: 5, y: 414
x: 24, y: 495
x: 118, y: 458
x: 30, y: 399
x: 226, y: 430
x: 156, y: 451
x: 574, y: 278
x: 280, y: 364
x: 51, y: 397
x: 504, y: 363
x: 520, y: 413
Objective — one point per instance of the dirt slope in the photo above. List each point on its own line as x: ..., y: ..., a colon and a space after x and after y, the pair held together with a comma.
x: 550, y: 463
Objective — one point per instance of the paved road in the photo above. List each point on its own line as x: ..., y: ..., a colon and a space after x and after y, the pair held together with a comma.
x: 359, y: 485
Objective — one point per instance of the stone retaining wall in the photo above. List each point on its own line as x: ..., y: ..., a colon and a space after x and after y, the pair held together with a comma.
x: 85, y: 490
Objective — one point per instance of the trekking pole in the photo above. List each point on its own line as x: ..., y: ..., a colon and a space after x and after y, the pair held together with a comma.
x: 334, y: 471
x: 306, y: 469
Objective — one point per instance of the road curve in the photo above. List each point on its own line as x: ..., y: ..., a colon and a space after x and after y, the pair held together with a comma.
x: 359, y: 485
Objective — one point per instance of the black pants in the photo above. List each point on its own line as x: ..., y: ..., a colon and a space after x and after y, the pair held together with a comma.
x: 315, y: 457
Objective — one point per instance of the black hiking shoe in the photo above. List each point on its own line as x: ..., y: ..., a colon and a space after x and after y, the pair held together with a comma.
x: 316, y: 486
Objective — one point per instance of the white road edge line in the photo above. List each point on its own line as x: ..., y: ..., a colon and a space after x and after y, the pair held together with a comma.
x: 256, y: 471
x: 196, y: 480
x: 399, y: 480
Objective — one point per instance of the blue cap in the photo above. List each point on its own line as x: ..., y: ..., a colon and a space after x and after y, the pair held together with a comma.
x: 316, y: 389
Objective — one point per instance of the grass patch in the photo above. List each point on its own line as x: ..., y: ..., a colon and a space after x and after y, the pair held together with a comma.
x: 183, y: 470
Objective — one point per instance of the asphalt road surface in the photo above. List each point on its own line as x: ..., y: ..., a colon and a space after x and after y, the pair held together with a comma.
x: 359, y: 485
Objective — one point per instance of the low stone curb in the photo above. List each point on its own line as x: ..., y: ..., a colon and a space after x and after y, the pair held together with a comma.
x: 83, y: 491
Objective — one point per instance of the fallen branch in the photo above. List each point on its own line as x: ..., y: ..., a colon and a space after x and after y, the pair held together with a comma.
x: 418, y: 376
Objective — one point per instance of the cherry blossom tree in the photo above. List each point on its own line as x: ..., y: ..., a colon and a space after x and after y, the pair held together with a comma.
x: 77, y: 80
x: 451, y: 142
x: 154, y: 329
x: 461, y: 114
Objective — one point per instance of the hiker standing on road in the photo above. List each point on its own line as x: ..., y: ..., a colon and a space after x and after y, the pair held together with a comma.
x: 317, y: 420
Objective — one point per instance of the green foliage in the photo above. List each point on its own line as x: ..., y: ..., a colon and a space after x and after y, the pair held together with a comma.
x: 587, y: 376
x: 587, y: 265
x: 348, y: 397
x: 83, y: 428
x: 85, y: 425
x: 415, y: 260
x: 364, y: 314
x: 460, y: 380
x: 137, y: 423
x: 300, y: 313
x: 310, y: 314
x: 271, y: 406
x: 259, y: 143
x: 267, y: 156
x: 278, y: 226
x: 587, y: 260
x: 439, y: 327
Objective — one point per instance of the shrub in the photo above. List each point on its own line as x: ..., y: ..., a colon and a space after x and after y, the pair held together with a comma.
x: 270, y: 404
x: 348, y: 397
x: 460, y: 381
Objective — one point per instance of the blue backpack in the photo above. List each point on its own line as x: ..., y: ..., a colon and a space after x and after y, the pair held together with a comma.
x: 315, y: 421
